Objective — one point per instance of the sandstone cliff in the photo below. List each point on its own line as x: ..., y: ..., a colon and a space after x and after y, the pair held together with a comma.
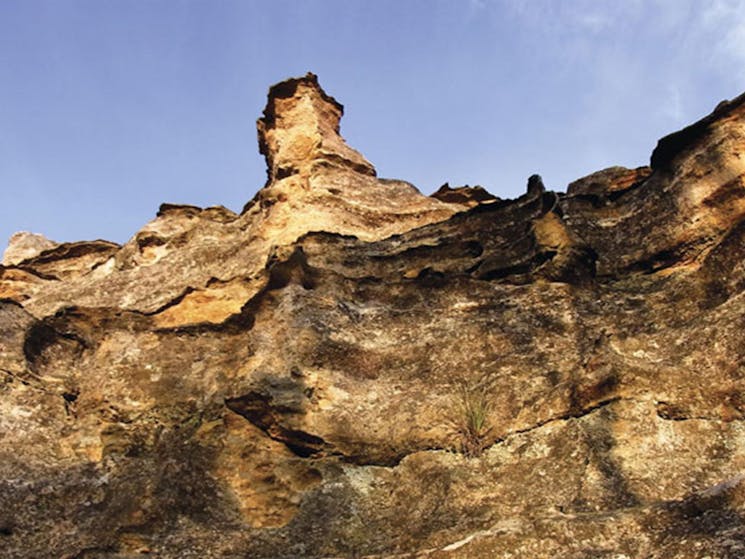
x: 348, y: 368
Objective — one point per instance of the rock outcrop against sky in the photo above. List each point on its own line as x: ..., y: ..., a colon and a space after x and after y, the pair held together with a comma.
x: 349, y: 368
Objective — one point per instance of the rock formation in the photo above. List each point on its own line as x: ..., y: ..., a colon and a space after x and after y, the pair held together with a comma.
x: 24, y: 245
x: 349, y: 368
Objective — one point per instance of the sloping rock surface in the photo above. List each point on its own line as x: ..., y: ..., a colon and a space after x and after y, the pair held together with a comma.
x: 349, y: 368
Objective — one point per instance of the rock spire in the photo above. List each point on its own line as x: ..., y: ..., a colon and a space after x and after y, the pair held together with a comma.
x: 299, y: 131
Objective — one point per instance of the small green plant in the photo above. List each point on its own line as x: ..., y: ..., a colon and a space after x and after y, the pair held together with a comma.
x: 473, y: 423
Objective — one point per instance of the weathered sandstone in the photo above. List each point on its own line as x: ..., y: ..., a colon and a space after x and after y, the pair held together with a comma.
x: 24, y: 245
x: 349, y: 368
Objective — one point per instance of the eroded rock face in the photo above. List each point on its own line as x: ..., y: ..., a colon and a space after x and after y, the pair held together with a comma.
x: 24, y: 245
x: 299, y: 132
x: 349, y: 368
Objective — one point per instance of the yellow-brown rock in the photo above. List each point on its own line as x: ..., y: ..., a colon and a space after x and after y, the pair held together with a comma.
x: 299, y: 132
x: 24, y: 245
x: 349, y: 368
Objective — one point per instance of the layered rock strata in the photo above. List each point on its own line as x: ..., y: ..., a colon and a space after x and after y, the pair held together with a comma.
x: 349, y: 368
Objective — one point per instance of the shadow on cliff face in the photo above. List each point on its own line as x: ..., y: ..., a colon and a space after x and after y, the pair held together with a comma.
x: 710, y: 512
x: 596, y: 384
x: 372, y: 511
x: 129, y: 502
x: 276, y: 404
x: 711, y: 523
x: 154, y: 476
x: 719, y: 280
x: 609, y: 489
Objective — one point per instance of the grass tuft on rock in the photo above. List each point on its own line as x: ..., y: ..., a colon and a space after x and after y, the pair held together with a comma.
x: 474, y: 426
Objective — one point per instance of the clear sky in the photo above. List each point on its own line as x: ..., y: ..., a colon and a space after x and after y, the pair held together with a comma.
x: 110, y: 107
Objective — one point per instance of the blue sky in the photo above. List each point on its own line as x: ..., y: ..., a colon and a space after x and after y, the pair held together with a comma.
x: 110, y: 107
